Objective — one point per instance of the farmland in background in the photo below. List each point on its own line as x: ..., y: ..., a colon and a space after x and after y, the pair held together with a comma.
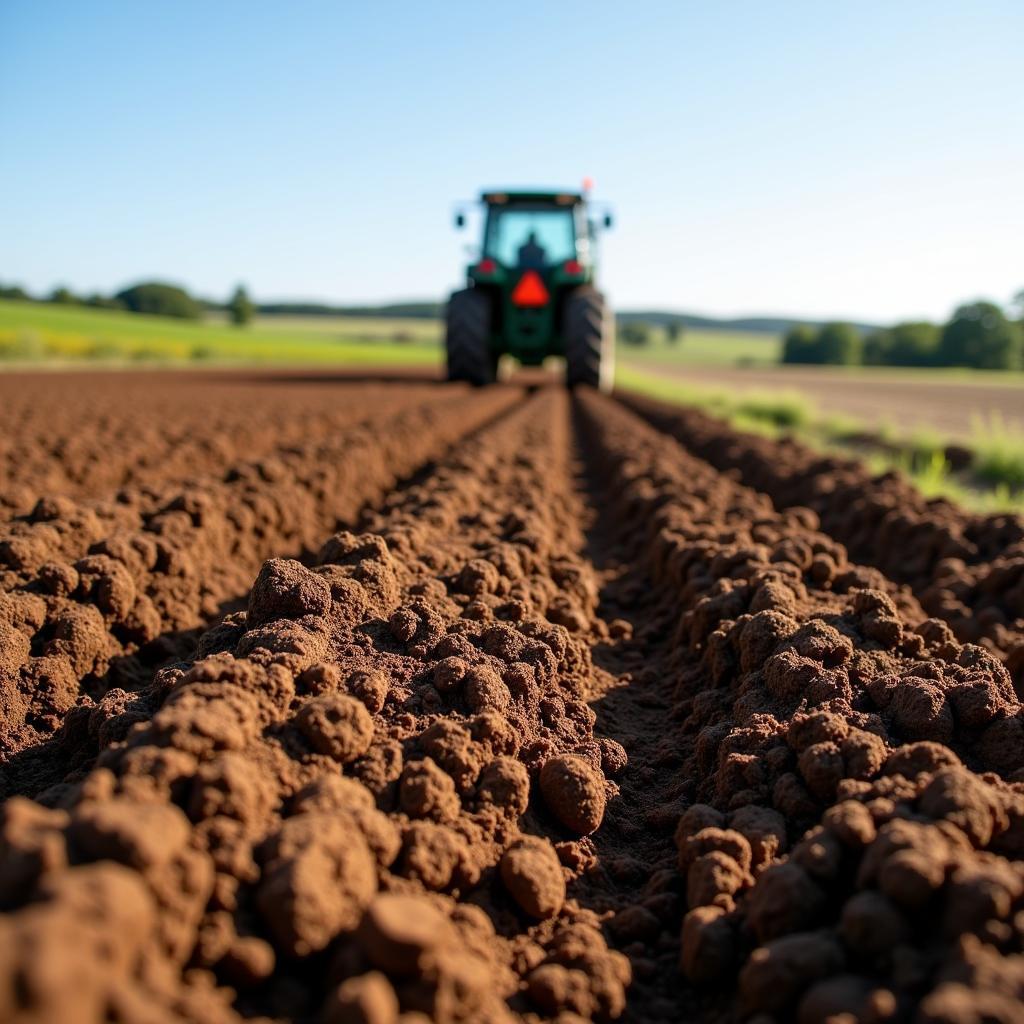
x: 35, y: 332
x: 704, y: 347
x: 957, y: 433
x: 911, y: 416
x: 903, y: 399
x: 38, y: 333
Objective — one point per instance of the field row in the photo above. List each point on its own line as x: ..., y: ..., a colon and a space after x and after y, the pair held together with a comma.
x: 140, y: 434
x: 965, y: 569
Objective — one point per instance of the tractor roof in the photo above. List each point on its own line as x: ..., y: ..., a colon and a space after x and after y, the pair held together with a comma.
x: 513, y: 196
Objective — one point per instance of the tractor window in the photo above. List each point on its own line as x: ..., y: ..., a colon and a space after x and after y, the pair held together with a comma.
x: 537, y: 237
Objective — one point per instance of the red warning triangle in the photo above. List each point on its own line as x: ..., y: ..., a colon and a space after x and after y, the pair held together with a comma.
x: 530, y: 291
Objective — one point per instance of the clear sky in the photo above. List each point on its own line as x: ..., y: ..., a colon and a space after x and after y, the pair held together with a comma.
x: 863, y: 160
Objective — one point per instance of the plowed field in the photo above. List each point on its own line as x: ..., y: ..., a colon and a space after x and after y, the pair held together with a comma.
x: 335, y: 701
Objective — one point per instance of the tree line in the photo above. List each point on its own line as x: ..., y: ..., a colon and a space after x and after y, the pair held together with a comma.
x: 154, y: 297
x: 978, y: 334
x: 641, y: 332
x: 171, y: 300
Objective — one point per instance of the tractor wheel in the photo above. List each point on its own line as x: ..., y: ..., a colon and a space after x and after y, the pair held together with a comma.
x: 589, y: 340
x: 467, y: 338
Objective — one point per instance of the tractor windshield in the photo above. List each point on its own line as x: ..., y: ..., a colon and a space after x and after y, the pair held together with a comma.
x: 530, y: 236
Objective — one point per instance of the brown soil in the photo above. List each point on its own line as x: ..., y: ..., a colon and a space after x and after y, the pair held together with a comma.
x: 966, y: 569
x: 507, y: 707
x: 141, y: 432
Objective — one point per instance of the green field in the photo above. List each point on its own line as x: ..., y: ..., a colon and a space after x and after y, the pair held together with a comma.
x: 39, y: 333
x: 350, y: 328
x: 701, y: 347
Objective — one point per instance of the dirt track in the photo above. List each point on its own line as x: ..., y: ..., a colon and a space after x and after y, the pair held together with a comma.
x: 907, y: 399
x: 326, y: 701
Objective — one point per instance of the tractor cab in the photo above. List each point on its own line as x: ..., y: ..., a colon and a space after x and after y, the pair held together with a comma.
x: 531, y: 293
x: 530, y: 231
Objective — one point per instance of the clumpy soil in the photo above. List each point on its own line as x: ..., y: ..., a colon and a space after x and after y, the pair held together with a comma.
x: 966, y: 569
x: 429, y: 704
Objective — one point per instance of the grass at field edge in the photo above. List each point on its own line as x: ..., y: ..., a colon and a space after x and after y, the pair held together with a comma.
x: 994, y: 482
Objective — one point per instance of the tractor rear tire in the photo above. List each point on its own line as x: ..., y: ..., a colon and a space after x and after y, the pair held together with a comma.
x: 589, y: 340
x: 467, y: 338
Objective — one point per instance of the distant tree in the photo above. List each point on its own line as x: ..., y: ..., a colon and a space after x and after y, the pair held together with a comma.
x: 834, y: 344
x: 799, y: 345
x: 160, y: 299
x: 635, y: 333
x: 673, y: 332
x: 839, y: 344
x: 62, y: 296
x: 877, y: 347
x: 240, y: 307
x: 979, y: 335
x: 1018, y: 301
x: 98, y: 301
x: 906, y: 344
x: 14, y: 291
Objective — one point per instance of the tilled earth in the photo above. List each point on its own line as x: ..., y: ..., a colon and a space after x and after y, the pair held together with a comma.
x: 381, y: 702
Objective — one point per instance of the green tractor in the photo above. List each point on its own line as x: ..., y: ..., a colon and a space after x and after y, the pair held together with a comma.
x: 531, y: 293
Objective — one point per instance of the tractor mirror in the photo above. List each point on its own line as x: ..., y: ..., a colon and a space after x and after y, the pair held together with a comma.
x: 460, y: 220
x: 607, y: 220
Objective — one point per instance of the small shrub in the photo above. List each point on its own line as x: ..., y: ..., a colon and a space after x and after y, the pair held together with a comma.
x: 62, y: 296
x: 636, y: 334
x: 931, y: 473
x: 840, y: 428
x: 26, y: 345
x: 161, y: 299
x: 786, y: 411
x: 924, y: 446
x: 998, y: 453
x: 104, y: 350
x: 240, y: 307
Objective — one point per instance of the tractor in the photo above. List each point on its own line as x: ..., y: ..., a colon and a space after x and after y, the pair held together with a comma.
x: 531, y: 292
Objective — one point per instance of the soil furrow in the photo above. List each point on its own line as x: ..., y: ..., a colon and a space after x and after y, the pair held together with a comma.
x: 90, y: 603
x: 842, y: 804
x: 965, y: 569
x: 634, y: 882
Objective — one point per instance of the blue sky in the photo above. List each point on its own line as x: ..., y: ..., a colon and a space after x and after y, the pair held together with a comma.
x: 862, y: 159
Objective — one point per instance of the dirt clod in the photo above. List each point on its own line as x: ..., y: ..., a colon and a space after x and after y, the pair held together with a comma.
x: 574, y: 792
